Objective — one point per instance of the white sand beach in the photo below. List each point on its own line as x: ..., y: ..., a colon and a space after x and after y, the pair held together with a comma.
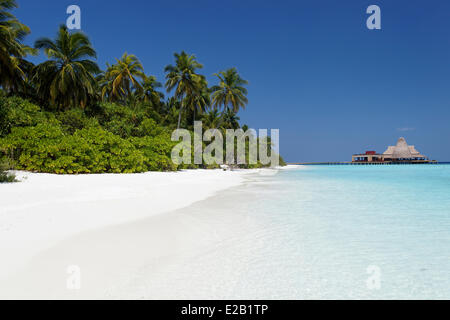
x: 43, y: 211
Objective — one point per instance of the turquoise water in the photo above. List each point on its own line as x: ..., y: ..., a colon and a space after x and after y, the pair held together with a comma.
x: 322, y: 227
x: 312, y: 232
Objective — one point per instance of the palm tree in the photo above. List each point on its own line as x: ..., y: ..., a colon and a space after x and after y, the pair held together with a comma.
x: 212, y: 119
x: 14, y: 69
x: 230, y: 93
x: 230, y: 120
x: 171, y: 111
x: 199, y: 101
x: 67, y: 79
x: 183, y: 78
x: 122, y: 78
x: 150, y: 92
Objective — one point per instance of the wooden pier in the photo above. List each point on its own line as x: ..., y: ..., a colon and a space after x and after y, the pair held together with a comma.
x: 362, y: 163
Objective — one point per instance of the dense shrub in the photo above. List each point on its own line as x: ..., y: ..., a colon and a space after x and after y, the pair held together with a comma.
x: 106, y: 138
x: 157, y: 152
x: 17, y: 112
x: 118, y: 119
x: 75, y: 119
x: 4, y: 175
x: 103, y: 138
x: 148, y: 127
x: 3, y: 119
x: 47, y: 148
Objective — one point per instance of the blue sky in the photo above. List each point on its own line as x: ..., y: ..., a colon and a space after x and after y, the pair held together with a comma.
x: 316, y: 72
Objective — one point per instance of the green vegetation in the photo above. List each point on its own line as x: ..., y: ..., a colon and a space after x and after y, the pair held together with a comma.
x: 230, y: 93
x: 14, y: 69
x: 121, y: 81
x: 67, y: 78
x: 65, y: 115
x: 4, y: 175
x: 109, y: 138
x: 187, y: 83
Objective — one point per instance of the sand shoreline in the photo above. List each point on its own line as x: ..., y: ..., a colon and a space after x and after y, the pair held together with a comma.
x: 44, y: 209
x: 119, y: 228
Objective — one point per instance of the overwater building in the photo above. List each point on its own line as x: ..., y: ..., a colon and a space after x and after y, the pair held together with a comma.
x: 400, y: 153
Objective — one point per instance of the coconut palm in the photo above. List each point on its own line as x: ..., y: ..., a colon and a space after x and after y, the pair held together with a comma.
x: 212, y: 119
x: 14, y: 69
x: 67, y: 78
x: 230, y: 93
x: 183, y: 78
x: 122, y: 78
x: 18, y: 81
x: 171, y: 112
x: 230, y: 120
x: 150, y: 92
x: 199, y: 101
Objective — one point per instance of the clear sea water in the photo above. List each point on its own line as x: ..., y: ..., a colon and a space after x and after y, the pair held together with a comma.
x: 312, y: 232
x: 320, y: 232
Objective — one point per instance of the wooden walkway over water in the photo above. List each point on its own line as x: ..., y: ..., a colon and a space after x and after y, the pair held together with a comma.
x: 361, y: 163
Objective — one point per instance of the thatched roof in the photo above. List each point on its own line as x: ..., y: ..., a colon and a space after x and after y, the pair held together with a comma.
x: 402, y: 151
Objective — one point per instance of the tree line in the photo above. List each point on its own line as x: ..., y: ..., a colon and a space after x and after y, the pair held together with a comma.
x: 66, y: 115
x: 71, y: 78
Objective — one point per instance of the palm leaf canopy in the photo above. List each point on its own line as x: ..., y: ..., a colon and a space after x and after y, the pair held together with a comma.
x: 68, y: 77
x: 150, y: 92
x: 123, y: 78
x: 13, y: 67
x: 230, y: 93
x: 182, y: 78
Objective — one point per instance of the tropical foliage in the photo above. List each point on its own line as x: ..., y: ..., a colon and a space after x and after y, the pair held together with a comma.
x: 212, y: 119
x: 230, y: 93
x: 14, y: 69
x: 67, y: 78
x: 117, y: 139
x: 122, y: 80
x: 187, y: 84
x: 150, y: 91
x: 65, y: 115
x: 4, y: 175
x: 230, y: 120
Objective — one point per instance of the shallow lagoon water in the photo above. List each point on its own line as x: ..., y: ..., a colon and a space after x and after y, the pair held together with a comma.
x: 319, y: 232
x: 311, y: 232
x: 323, y: 232
x: 327, y: 225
